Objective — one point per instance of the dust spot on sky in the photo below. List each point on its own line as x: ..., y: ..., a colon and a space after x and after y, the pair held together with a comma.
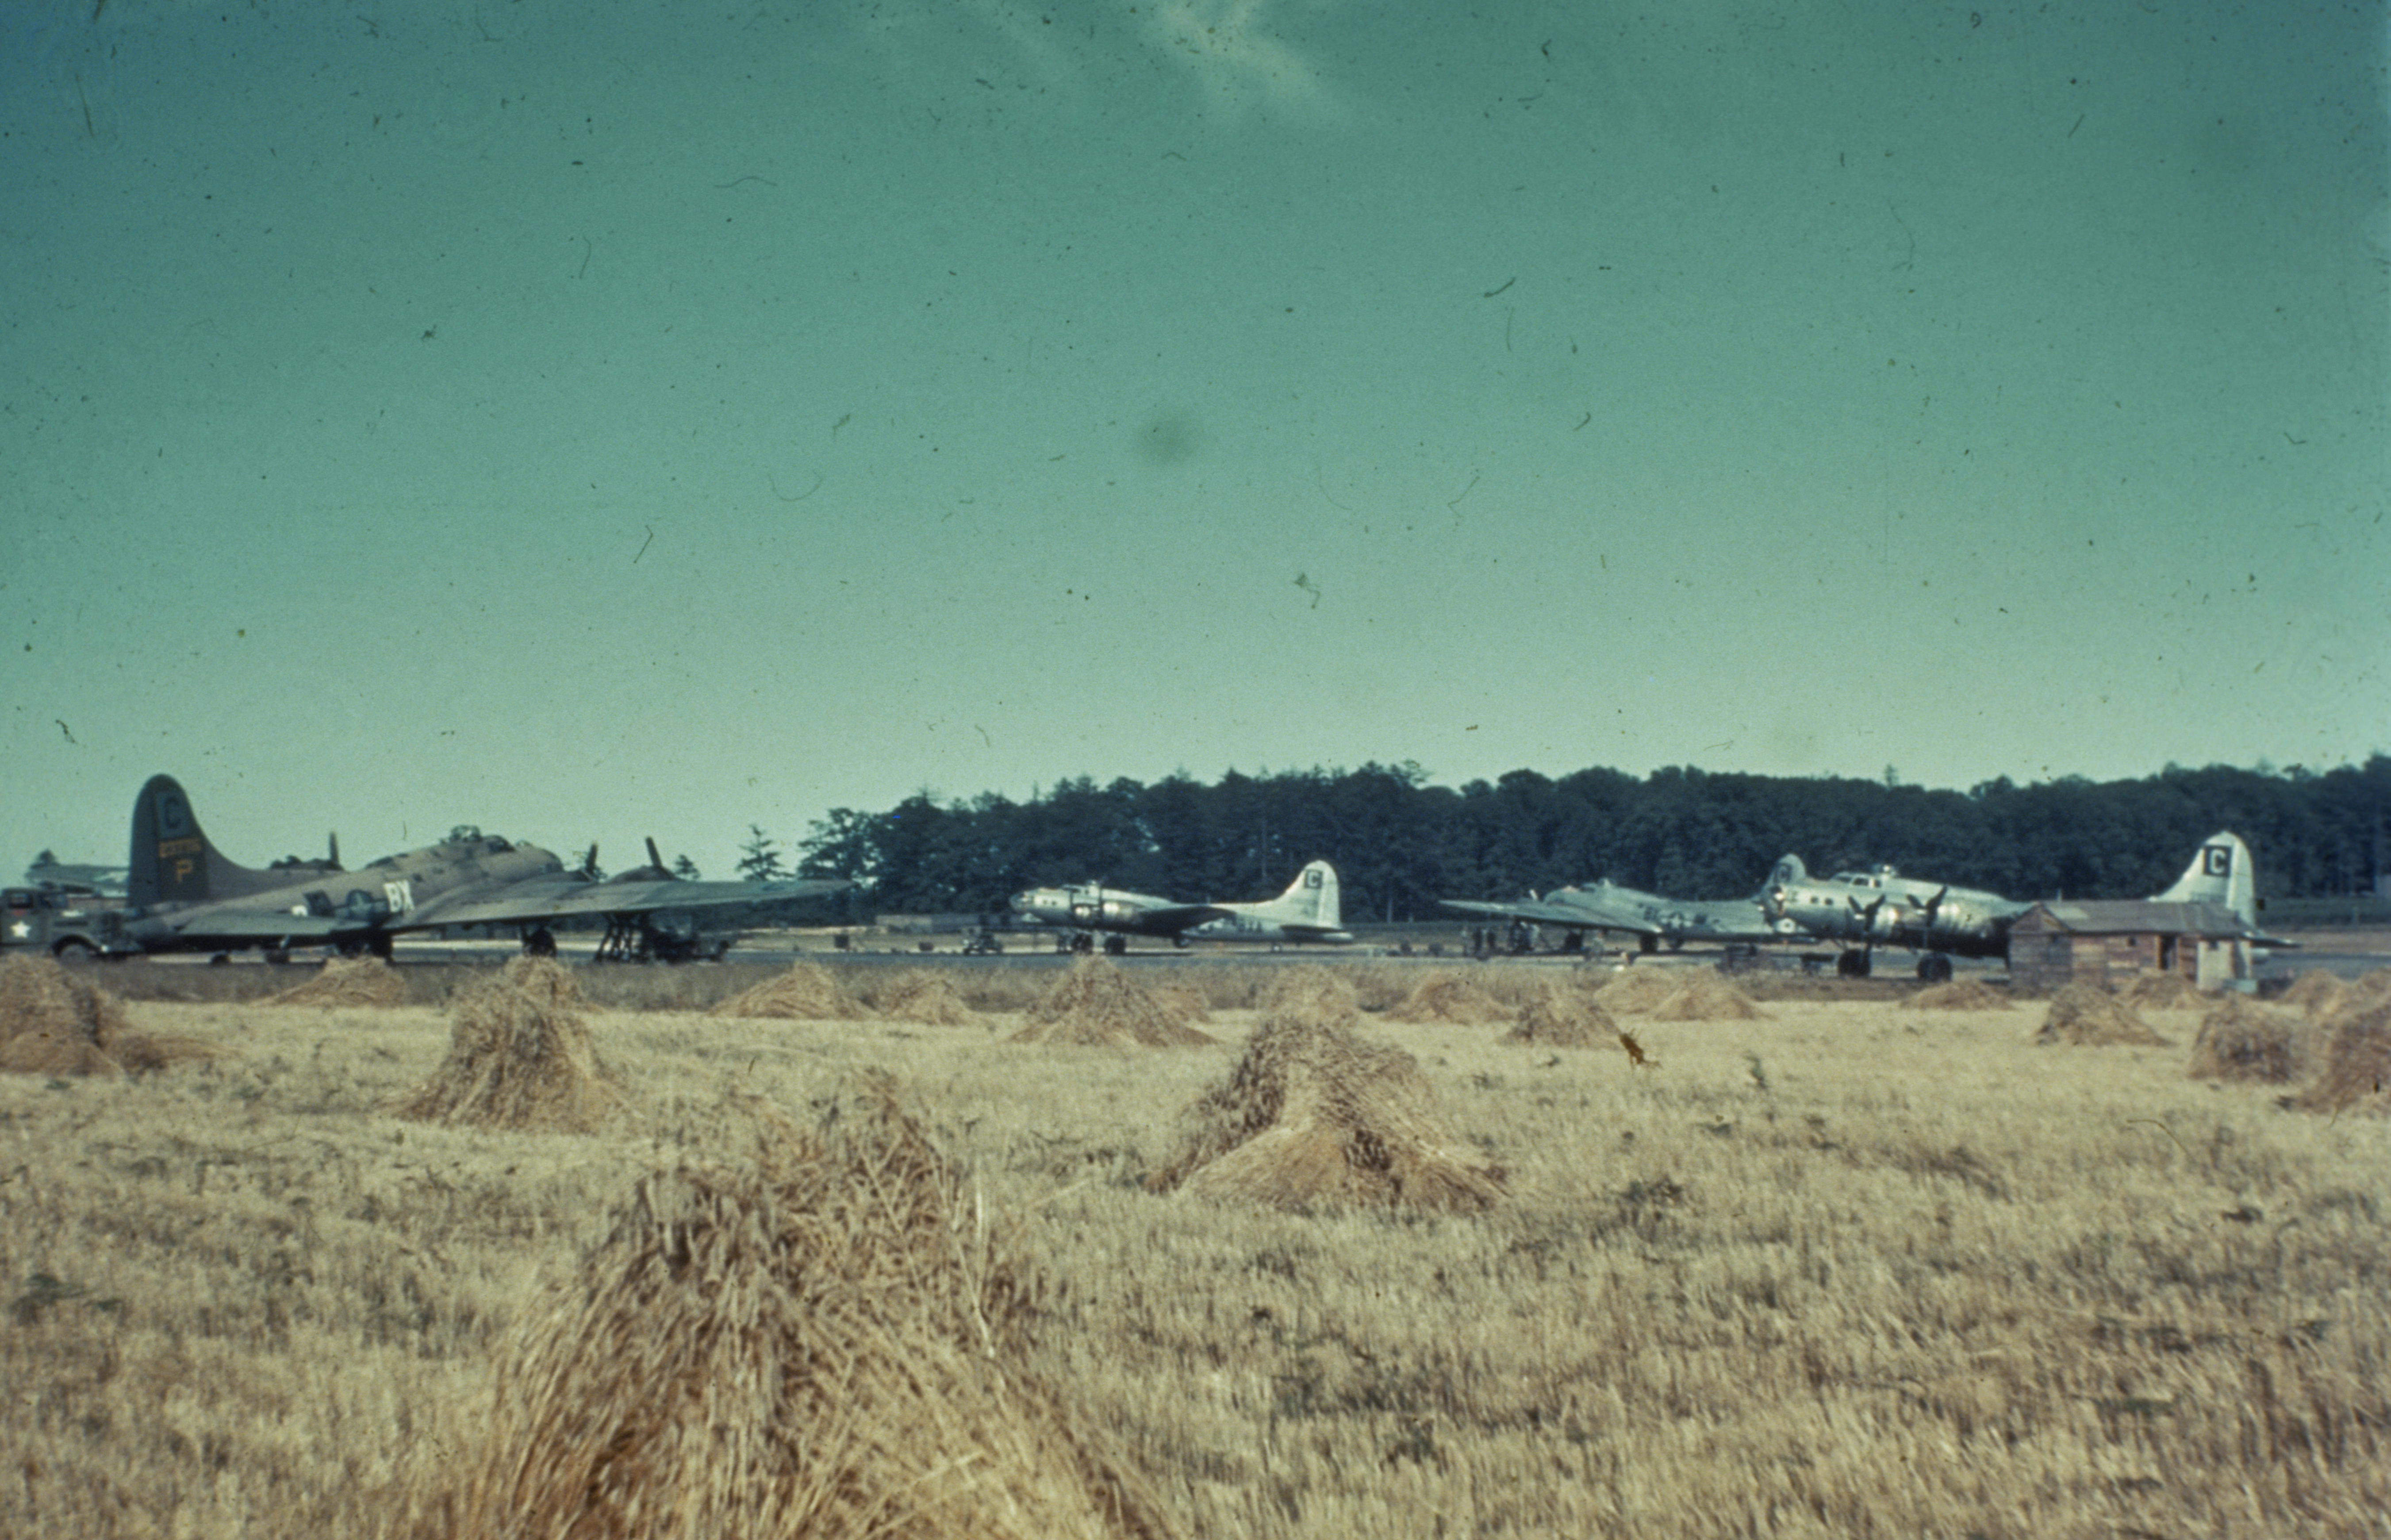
x: 1170, y: 438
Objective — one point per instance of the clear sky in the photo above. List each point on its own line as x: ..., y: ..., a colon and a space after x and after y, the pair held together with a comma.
x: 598, y: 419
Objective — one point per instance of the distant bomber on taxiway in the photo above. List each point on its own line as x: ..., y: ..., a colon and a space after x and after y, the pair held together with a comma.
x: 1309, y: 911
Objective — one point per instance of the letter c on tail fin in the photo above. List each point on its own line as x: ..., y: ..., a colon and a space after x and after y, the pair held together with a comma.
x: 2220, y: 874
x: 1311, y: 899
x: 172, y: 860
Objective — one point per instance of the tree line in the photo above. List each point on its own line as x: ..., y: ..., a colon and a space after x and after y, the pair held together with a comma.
x: 1399, y: 843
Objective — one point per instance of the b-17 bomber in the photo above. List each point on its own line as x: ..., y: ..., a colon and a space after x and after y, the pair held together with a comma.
x: 1863, y: 911
x: 184, y: 894
x: 1605, y: 906
x: 1308, y: 912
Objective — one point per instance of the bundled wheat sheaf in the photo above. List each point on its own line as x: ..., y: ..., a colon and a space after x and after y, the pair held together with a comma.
x: 822, y: 1338
x: 1097, y: 1004
x: 2087, y: 1014
x: 2241, y: 1040
x: 807, y: 992
x: 1312, y: 989
x: 347, y: 982
x: 1961, y: 994
x: 1314, y: 1113
x: 1564, y: 1015
x: 1633, y: 991
x: 54, y: 1022
x: 2356, y: 1073
x: 925, y: 996
x: 1448, y: 997
x: 520, y: 1056
x: 2317, y: 992
x: 1703, y: 995
x: 2163, y: 991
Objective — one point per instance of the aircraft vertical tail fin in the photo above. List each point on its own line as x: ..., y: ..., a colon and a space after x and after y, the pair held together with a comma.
x: 172, y: 859
x: 1312, y: 899
x: 2222, y: 873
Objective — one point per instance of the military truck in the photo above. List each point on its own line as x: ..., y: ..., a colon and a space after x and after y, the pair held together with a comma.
x: 69, y: 927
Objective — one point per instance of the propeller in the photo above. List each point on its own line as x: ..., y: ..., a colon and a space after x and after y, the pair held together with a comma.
x: 656, y: 871
x: 590, y: 865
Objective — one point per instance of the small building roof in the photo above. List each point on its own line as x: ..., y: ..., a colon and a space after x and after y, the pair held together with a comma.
x: 2132, y: 917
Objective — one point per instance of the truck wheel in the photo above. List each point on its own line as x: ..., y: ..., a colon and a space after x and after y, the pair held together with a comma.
x: 74, y: 951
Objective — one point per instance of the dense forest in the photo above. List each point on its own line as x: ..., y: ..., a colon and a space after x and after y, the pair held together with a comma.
x: 1399, y: 843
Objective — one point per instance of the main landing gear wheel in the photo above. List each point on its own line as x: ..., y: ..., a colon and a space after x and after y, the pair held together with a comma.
x: 1116, y: 945
x: 1935, y: 967
x: 1852, y: 964
x: 540, y: 943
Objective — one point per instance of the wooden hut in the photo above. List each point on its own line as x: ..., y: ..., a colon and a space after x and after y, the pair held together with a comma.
x: 2112, y: 942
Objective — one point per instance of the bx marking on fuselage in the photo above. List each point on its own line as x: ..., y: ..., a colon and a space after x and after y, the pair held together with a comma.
x: 185, y: 896
x: 1308, y: 912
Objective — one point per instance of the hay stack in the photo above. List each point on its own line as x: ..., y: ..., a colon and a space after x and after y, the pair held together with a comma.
x: 2318, y: 993
x: 347, y: 982
x: 2356, y: 1075
x: 1314, y: 1115
x: 2090, y: 1015
x: 2163, y: 991
x: 1313, y: 990
x: 1961, y: 994
x: 2241, y: 1040
x: 1446, y: 997
x: 819, y: 1338
x: 1633, y: 991
x: 928, y: 997
x: 1096, y: 1004
x: 807, y: 992
x: 519, y: 1056
x: 1186, y: 1001
x: 1706, y: 996
x: 53, y: 1022
x: 1564, y: 1015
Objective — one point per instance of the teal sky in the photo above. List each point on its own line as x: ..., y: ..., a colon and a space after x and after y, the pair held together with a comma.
x: 598, y: 420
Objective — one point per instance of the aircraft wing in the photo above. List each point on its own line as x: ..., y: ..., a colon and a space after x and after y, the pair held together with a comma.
x: 1170, y: 919
x: 541, y: 898
x: 259, y: 924
x: 1575, y: 916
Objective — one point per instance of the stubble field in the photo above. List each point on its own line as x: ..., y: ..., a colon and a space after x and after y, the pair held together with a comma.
x: 1856, y: 1269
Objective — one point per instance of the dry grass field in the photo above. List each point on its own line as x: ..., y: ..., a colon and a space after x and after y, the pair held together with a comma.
x: 1851, y: 1268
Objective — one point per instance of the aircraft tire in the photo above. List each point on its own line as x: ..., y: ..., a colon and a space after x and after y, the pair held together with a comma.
x: 540, y: 943
x: 1852, y: 964
x: 1116, y: 945
x: 1935, y: 967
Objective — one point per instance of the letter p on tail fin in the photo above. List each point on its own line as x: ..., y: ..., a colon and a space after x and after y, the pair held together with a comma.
x: 2220, y: 874
x: 172, y: 859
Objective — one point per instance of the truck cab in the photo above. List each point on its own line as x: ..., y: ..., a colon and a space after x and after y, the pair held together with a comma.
x: 69, y: 927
